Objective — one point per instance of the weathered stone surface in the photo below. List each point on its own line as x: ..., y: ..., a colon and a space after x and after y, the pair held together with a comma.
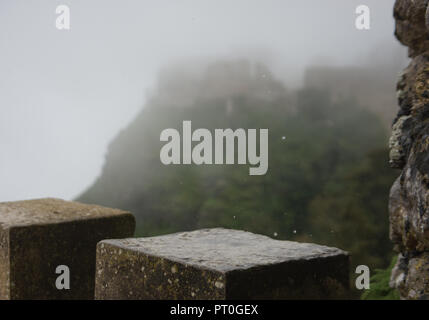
x: 410, y: 25
x: 218, y: 264
x: 409, y: 150
x: 411, y: 276
x: 418, y: 277
x: 36, y: 236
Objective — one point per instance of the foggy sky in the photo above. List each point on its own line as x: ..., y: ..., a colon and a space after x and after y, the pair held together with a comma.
x: 65, y: 94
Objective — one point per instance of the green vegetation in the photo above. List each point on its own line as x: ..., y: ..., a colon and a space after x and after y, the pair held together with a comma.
x: 327, y: 181
x: 379, y: 287
x: 351, y: 211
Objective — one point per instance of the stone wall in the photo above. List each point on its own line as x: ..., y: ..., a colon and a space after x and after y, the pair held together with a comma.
x: 409, y: 151
x: 92, y: 245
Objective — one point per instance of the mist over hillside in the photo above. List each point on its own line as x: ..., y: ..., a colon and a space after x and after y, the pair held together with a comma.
x: 98, y: 75
x: 318, y: 140
x: 372, y: 83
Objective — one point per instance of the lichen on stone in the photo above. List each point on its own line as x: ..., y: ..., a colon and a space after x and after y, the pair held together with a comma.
x: 409, y: 150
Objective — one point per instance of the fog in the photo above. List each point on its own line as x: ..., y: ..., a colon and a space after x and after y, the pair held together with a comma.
x: 65, y: 94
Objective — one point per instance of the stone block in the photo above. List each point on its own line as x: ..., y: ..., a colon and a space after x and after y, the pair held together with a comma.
x: 219, y: 264
x: 36, y: 236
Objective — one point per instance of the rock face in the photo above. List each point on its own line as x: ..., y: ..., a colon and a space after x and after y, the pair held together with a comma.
x: 218, y: 264
x: 36, y: 236
x: 411, y: 27
x: 409, y: 150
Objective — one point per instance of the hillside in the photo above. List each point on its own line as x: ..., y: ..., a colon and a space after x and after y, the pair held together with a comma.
x: 316, y: 142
